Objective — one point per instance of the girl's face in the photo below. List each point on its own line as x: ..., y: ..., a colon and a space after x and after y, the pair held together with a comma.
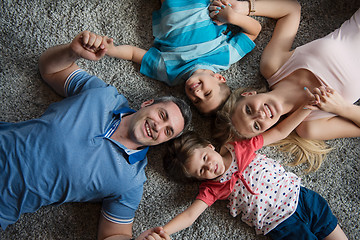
x: 256, y: 113
x: 205, y: 163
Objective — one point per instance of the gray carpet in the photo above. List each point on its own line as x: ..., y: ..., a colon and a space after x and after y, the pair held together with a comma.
x: 29, y: 27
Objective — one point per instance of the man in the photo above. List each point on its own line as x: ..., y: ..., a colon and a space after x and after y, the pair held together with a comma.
x: 88, y: 147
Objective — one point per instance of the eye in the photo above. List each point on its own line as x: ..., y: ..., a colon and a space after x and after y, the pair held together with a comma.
x: 161, y: 115
x: 256, y: 126
x: 207, y: 93
x: 247, y: 109
x: 168, y: 132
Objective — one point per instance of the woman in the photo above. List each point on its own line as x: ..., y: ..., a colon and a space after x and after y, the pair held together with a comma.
x: 327, y: 66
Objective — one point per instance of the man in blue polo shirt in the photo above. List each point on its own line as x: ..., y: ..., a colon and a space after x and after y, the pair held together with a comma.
x: 88, y: 147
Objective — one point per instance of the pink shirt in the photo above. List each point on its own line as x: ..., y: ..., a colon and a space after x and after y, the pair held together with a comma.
x: 333, y: 59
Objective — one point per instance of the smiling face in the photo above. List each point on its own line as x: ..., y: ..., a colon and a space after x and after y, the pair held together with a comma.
x: 156, y: 123
x: 206, y: 90
x: 255, y: 113
x: 205, y: 163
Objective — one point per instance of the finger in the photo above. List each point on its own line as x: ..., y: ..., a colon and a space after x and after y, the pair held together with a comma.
x: 98, y: 41
x: 85, y: 37
x: 101, y: 53
x: 92, y: 38
x: 214, y: 8
x: 213, y: 14
x: 330, y: 90
x: 310, y: 94
x: 323, y: 91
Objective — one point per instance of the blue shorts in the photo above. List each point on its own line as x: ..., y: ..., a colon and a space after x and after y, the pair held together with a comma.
x: 312, y: 219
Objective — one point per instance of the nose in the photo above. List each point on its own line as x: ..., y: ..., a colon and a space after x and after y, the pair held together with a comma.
x: 208, y: 165
x: 259, y: 115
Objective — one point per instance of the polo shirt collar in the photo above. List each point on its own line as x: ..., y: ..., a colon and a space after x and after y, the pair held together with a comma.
x: 134, y: 156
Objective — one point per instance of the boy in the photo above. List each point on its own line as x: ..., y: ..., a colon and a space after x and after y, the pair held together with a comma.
x: 190, y: 48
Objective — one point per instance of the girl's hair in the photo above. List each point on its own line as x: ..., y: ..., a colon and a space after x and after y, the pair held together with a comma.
x: 178, y: 152
x: 307, y: 151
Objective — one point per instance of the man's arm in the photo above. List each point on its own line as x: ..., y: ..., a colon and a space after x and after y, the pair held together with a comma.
x: 58, y: 62
x: 113, y: 231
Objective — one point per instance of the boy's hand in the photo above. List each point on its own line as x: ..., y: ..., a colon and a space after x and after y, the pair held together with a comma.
x: 89, y: 45
x: 215, y: 8
x: 156, y: 233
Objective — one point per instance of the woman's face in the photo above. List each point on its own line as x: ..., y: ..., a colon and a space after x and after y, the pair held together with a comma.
x: 256, y: 113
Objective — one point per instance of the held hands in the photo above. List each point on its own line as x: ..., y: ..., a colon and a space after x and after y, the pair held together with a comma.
x: 156, y: 233
x: 90, y: 46
x: 219, y: 10
x: 326, y: 99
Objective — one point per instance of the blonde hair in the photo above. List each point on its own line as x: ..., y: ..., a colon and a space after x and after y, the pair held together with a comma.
x: 311, y: 152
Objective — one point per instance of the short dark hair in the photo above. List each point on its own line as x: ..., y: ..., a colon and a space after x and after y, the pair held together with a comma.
x: 182, y: 105
x: 178, y: 152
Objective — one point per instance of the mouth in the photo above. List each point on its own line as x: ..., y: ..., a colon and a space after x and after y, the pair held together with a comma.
x: 148, y: 129
x: 268, y: 111
x: 193, y: 86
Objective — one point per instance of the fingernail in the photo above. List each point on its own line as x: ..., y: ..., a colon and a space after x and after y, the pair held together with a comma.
x: 218, y: 8
x: 305, y: 108
x: 223, y: 6
x: 216, y: 11
x: 305, y: 88
x: 229, y: 5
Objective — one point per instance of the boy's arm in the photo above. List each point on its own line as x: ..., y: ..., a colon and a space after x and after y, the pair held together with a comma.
x: 186, y: 218
x: 125, y: 52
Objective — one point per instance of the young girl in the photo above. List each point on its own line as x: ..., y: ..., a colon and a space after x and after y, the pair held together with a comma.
x: 259, y: 189
x: 190, y: 48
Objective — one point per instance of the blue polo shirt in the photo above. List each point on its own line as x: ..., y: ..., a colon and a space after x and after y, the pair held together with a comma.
x: 67, y: 155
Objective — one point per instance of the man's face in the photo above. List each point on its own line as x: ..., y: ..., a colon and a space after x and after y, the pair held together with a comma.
x: 204, y: 91
x: 156, y: 123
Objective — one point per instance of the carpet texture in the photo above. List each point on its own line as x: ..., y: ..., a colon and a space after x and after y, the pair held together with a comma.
x: 30, y: 27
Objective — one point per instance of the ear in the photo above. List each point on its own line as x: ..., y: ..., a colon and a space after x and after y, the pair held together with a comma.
x: 211, y: 146
x: 249, y: 93
x: 220, y: 77
x: 147, y: 103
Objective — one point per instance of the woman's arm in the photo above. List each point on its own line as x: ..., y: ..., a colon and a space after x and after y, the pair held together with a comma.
x: 346, y: 124
x: 186, y: 218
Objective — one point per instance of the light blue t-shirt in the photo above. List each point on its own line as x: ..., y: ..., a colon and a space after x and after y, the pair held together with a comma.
x: 67, y: 155
x: 186, y: 39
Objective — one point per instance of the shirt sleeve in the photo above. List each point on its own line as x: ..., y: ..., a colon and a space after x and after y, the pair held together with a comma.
x: 79, y: 81
x: 122, y: 209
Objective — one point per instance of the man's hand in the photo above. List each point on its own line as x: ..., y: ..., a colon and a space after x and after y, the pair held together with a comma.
x: 90, y: 46
x: 156, y: 233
